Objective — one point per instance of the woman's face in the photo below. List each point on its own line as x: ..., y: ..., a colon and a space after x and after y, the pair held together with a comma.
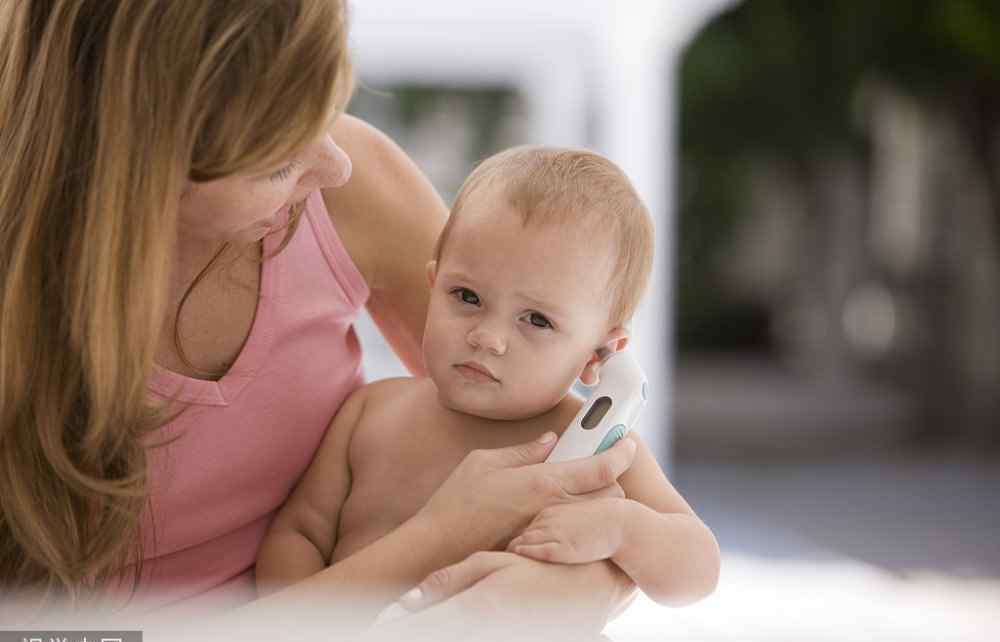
x: 243, y: 208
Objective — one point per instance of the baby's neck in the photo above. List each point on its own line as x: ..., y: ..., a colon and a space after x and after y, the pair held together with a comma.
x: 555, y: 418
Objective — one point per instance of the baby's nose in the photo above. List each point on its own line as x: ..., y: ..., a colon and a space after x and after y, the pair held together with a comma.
x: 487, y: 340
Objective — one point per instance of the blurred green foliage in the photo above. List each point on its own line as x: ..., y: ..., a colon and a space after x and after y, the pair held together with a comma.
x: 780, y: 79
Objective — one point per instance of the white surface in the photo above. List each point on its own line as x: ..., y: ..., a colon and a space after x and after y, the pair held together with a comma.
x: 842, y: 601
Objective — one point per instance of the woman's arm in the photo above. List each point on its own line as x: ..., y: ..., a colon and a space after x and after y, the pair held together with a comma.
x: 333, y: 604
x: 388, y: 216
x: 502, y: 596
x: 490, y: 495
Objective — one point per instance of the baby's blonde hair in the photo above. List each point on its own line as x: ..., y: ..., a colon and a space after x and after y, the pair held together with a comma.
x: 564, y: 186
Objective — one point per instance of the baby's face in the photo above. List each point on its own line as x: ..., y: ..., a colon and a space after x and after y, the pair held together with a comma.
x: 515, y: 312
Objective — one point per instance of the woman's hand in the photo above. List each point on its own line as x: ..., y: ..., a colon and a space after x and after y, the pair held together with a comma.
x: 502, y: 596
x: 493, y: 494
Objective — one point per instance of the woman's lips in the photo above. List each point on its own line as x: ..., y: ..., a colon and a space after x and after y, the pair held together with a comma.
x: 476, y: 372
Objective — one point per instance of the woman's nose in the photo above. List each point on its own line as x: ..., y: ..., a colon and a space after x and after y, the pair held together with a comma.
x: 486, y: 339
x: 331, y: 166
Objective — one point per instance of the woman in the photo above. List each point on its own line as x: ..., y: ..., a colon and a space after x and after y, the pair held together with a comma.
x: 181, y: 256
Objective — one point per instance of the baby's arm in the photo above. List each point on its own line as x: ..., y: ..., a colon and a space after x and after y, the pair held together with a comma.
x: 652, y: 534
x: 301, y: 539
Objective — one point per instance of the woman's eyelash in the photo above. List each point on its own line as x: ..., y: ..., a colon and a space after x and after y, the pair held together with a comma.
x: 284, y: 172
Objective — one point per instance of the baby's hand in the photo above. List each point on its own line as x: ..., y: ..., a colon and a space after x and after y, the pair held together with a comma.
x: 574, y: 533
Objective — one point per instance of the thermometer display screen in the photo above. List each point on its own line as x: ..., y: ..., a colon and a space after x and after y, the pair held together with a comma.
x: 596, y: 413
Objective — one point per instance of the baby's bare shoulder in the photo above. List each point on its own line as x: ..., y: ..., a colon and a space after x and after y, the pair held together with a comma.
x: 390, y: 406
x: 393, y: 391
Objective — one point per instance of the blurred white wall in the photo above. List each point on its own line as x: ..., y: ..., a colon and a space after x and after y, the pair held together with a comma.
x: 593, y: 73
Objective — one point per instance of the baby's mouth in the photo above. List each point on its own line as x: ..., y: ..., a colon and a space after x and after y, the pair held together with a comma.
x: 476, y: 372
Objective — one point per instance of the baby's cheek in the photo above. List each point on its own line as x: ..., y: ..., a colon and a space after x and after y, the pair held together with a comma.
x: 440, y: 330
x: 435, y: 349
x: 546, y: 381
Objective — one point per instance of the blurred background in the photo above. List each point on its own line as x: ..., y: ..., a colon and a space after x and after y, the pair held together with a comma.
x: 826, y: 316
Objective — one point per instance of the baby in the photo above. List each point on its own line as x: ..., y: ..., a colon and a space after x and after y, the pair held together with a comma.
x: 536, y: 274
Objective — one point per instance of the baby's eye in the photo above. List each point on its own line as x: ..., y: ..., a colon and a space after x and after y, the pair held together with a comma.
x: 465, y: 295
x: 538, y: 320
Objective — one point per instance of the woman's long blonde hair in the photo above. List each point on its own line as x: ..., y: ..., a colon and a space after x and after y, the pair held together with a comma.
x: 107, y: 107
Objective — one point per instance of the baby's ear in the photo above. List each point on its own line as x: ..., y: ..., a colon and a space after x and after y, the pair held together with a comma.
x: 616, y: 339
x: 431, y: 272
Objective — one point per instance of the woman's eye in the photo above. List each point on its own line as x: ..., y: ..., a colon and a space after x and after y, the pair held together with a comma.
x: 466, y: 295
x: 284, y: 172
x: 538, y: 320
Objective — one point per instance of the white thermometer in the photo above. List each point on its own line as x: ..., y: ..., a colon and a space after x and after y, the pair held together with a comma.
x: 611, y: 410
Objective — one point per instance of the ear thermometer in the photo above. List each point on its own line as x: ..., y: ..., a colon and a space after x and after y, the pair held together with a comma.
x: 611, y: 410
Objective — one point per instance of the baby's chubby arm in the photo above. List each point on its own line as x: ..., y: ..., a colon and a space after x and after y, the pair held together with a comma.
x: 651, y: 534
x: 302, y: 537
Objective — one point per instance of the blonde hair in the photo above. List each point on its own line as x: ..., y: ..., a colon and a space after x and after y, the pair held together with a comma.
x: 106, y: 108
x: 562, y: 186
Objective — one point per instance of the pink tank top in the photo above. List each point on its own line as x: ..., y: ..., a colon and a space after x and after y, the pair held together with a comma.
x: 245, y: 440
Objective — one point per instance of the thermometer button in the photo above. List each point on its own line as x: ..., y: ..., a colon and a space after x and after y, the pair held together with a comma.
x: 616, y: 433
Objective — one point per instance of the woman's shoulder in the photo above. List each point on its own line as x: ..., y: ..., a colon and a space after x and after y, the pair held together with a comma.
x: 388, y: 205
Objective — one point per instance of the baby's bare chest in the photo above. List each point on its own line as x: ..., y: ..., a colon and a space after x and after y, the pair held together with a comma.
x: 399, y: 459
x: 394, y: 471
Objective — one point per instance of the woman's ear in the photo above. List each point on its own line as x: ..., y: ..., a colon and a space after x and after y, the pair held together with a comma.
x: 431, y: 272
x: 616, y: 339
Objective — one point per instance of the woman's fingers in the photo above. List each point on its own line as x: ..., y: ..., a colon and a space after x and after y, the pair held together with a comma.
x: 448, y: 581
x: 546, y: 552
x: 581, y: 476
x: 505, y: 489
x: 614, y: 491
x: 531, y: 538
x: 502, y: 488
x: 532, y: 452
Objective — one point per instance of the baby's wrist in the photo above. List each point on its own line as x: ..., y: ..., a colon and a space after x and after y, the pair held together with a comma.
x: 626, y: 514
